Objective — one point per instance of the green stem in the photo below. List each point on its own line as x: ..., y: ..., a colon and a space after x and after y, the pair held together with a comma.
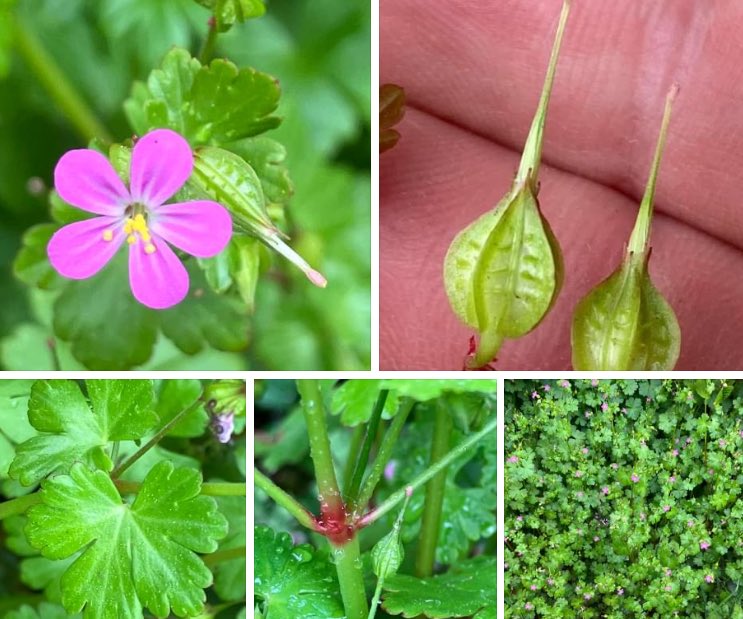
x: 375, y: 599
x: 288, y: 502
x: 352, y: 492
x: 207, y: 49
x: 640, y: 238
x: 430, y: 472
x: 314, y: 415
x: 356, y: 437
x: 224, y: 555
x: 208, y: 489
x: 19, y: 505
x: 64, y: 95
x: 532, y: 155
x: 431, y: 520
x: 384, y: 454
x: 347, y: 556
x: 119, y: 470
x: 348, y: 564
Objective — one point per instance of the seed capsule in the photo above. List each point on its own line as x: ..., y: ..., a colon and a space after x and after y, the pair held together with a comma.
x: 625, y: 323
x: 504, y: 271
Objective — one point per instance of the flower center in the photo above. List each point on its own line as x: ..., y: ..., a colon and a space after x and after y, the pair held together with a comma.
x: 135, y: 227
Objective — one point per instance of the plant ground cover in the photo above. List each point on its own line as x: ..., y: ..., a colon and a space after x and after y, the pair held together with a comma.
x: 370, y: 490
x: 622, y: 498
x: 122, y: 499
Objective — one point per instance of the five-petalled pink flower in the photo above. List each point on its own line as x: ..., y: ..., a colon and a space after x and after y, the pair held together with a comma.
x: 161, y: 163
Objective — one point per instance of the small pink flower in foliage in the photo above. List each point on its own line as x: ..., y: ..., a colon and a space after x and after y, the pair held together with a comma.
x: 666, y: 508
x: 550, y: 581
x: 137, y: 216
x: 547, y: 388
x: 594, y: 382
x: 529, y: 606
x: 565, y: 384
x: 605, y: 490
x: 635, y: 478
x: 675, y: 452
x: 584, y: 451
x: 513, y: 459
x: 579, y: 474
x: 533, y: 587
x: 668, y: 572
x: 534, y: 395
x: 668, y: 588
x: 709, y: 578
x: 704, y: 544
x: 689, y: 523
x: 604, y: 406
x: 722, y: 443
x: 588, y: 596
x: 620, y: 591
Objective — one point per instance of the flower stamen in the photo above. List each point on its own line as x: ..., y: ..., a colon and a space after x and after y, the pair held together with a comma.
x: 136, y: 228
x: 108, y: 235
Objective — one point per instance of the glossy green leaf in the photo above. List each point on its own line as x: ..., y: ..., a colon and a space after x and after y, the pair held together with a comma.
x: 230, y: 576
x: 73, y: 429
x: 433, y: 388
x: 227, y: 12
x: 291, y: 581
x: 504, y: 271
x: 466, y: 590
x: 141, y: 555
x: 215, y: 103
x: 113, y: 333
x: 174, y: 396
x: 625, y: 323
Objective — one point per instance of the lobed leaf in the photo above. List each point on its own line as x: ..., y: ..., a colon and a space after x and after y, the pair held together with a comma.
x: 228, y: 12
x: 291, y: 581
x: 71, y: 429
x: 140, y: 555
x: 466, y: 590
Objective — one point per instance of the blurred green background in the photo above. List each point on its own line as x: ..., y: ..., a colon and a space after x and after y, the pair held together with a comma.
x: 319, y: 50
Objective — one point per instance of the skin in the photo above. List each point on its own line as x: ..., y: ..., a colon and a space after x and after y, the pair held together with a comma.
x: 473, y: 72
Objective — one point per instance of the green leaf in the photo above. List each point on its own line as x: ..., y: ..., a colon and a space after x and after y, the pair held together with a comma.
x: 287, y: 443
x: 174, y: 396
x: 291, y: 582
x: 106, y: 327
x: 230, y: 576
x: 227, y: 12
x: 205, y: 317
x: 625, y: 324
x: 467, y: 589
x: 45, y: 610
x: 14, y: 425
x: 140, y: 555
x: 206, y: 104
x: 73, y: 430
x: 32, y: 265
x: 430, y: 389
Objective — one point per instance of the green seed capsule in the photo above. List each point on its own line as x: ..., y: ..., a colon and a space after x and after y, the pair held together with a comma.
x: 625, y: 323
x: 388, y: 552
x: 504, y: 271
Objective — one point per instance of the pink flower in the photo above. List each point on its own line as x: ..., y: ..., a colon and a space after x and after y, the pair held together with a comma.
x: 533, y: 587
x: 513, y: 459
x: 614, y: 465
x: 161, y: 163
x: 588, y: 414
x: 709, y: 578
x: 668, y: 571
x: 534, y: 395
x: 620, y: 591
x: 704, y: 544
x: 672, y: 479
x: 587, y: 596
x: 584, y: 451
x: 605, y: 490
x: 389, y: 470
x: 579, y: 474
x: 675, y: 452
x: 596, y: 538
x: 547, y: 388
x: 689, y: 523
x: 666, y: 508
x: 668, y: 588
x: 604, y: 406
x: 565, y: 384
x: 529, y: 606
x: 722, y: 443
x: 519, y: 518
x: 594, y: 382
x: 635, y: 478
x: 551, y: 581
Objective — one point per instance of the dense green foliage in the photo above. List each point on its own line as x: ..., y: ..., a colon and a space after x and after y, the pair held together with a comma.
x: 284, y: 109
x: 622, y: 498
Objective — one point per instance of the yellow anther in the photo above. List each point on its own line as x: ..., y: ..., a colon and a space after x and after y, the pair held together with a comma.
x: 136, y: 228
x: 131, y: 239
x: 149, y: 248
x: 108, y: 235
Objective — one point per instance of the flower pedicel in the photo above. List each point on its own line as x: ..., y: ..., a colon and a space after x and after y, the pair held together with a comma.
x: 161, y: 163
x: 625, y: 323
x: 503, y: 272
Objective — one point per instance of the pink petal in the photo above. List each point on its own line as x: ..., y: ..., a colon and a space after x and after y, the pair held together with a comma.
x: 158, y: 280
x: 200, y: 228
x: 78, y: 250
x: 86, y: 179
x: 161, y: 163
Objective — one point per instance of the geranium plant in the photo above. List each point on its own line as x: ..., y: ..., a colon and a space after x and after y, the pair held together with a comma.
x: 122, y: 499
x: 622, y: 498
x: 375, y: 490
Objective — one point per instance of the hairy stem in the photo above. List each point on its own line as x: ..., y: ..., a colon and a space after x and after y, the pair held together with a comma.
x: 54, y: 81
x: 350, y: 578
x: 384, y: 454
x: 19, y: 505
x: 119, y: 470
x: 208, y: 488
x: 356, y: 437
x: 207, y: 49
x: 361, y: 462
x: 431, y: 520
x: 347, y: 556
x: 288, y: 502
x: 430, y: 472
